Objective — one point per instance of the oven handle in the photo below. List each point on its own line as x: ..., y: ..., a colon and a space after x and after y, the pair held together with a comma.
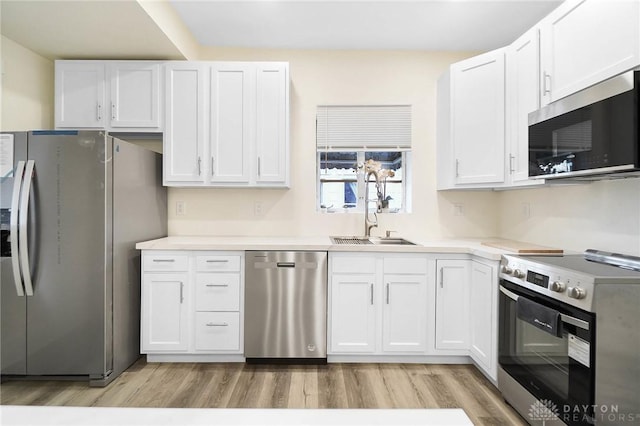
x: 564, y: 318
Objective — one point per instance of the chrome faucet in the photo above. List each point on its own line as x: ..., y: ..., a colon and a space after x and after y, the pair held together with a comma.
x: 368, y: 224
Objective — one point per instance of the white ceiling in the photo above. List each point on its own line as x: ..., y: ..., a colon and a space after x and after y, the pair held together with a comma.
x: 121, y: 29
x: 348, y: 24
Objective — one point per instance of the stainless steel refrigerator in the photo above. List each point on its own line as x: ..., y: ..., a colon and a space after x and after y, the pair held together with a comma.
x: 73, y: 205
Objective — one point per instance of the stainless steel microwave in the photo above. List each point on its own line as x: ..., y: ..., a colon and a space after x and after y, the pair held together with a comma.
x: 591, y: 134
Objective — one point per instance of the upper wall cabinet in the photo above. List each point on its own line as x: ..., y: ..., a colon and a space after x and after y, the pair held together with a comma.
x: 522, y: 97
x: 227, y: 124
x: 470, y: 127
x: 111, y: 95
x: 588, y: 41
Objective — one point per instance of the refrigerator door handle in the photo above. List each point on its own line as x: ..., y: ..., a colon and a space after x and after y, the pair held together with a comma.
x: 13, y: 227
x: 24, y: 209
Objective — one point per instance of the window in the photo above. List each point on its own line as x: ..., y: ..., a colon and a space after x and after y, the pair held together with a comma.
x: 347, y: 137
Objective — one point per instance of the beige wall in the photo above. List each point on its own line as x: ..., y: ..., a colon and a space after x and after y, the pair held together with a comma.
x: 341, y: 77
x: 603, y: 215
x: 27, y: 88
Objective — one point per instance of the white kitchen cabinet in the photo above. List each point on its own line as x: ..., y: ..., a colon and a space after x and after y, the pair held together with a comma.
x: 471, y: 123
x: 452, y: 305
x: 587, y: 41
x: 272, y: 123
x: 231, y: 120
x: 382, y: 311
x: 80, y: 97
x: 164, y: 314
x: 353, y: 313
x: 483, y: 309
x: 184, y: 136
x: 135, y: 95
x: 110, y: 95
x: 231, y: 130
x: 523, y: 97
x: 404, y: 314
x: 192, y: 305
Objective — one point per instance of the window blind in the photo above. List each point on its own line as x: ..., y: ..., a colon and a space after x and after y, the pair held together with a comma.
x: 363, y: 127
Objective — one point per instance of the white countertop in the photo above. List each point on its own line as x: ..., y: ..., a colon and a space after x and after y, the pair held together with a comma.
x: 214, y: 243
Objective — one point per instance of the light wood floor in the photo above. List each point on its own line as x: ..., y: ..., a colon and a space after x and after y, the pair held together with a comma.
x: 268, y: 386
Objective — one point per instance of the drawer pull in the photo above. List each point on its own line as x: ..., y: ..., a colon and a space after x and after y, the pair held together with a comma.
x: 215, y: 324
x: 217, y: 285
x: 217, y: 261
x: 164, y: 260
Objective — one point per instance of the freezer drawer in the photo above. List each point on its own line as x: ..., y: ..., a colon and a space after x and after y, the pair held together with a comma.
x: 285, y: 305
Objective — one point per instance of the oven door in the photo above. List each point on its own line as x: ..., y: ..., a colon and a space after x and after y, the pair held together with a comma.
x: 557, y: 368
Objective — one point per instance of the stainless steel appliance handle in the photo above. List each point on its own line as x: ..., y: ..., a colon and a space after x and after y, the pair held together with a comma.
x: 13, y: 228
x: 24, y: 219
x: 286, y: 264
x: 564, y: 318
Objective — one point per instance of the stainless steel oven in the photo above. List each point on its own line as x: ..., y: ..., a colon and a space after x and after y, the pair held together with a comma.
x: 569, y: 340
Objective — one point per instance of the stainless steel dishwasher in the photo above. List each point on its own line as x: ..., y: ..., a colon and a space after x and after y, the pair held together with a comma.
x: 285, y: 306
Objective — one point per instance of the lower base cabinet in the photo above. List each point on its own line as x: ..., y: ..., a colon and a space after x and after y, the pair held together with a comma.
x: 483, y: 294
x: 192, y: 303
x: 380, y: 312
x: 164, y: 312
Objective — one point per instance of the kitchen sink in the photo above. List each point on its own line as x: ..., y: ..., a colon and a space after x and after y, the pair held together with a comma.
x: 390, y: 241
x: 372, y: 240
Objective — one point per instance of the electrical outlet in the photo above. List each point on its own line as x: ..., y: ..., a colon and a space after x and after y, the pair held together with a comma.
x: 526, y: 210
x: 181, y: 208
x: 257, y: 208
x: 458, y: 209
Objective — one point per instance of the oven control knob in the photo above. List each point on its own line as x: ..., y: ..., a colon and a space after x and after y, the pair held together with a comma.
x: 518, y: 273
x: 557, y: 286
x: 576, y: 292
x: 507, y: 270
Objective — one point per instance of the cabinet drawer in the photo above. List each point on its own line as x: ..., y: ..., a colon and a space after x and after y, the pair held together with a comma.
x: 405, y: 265
x: 218, y: 263
x: 217, y: 292
x: 217, y: 331
x: 165, y: 262
x: 353, y: 264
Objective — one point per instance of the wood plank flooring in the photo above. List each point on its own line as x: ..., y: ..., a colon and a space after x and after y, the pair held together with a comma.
x: 202, y: 385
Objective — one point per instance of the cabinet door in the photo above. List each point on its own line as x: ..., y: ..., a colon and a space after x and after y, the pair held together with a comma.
x: 80, y: 94
x: 483, y: 310
x: 477, y: 118
x: 135, y: 94
x: 587, y: 41
x: 452, y: 304
x: 523, y: 97
x: 232, y: 93
x: 184, y: 133
x: 272, y: 123
x: 353, y: 325
x: 164, y: 312
x: 404, y: 313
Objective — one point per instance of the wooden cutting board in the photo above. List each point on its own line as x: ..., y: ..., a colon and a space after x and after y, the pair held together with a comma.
x: 521, y: 247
